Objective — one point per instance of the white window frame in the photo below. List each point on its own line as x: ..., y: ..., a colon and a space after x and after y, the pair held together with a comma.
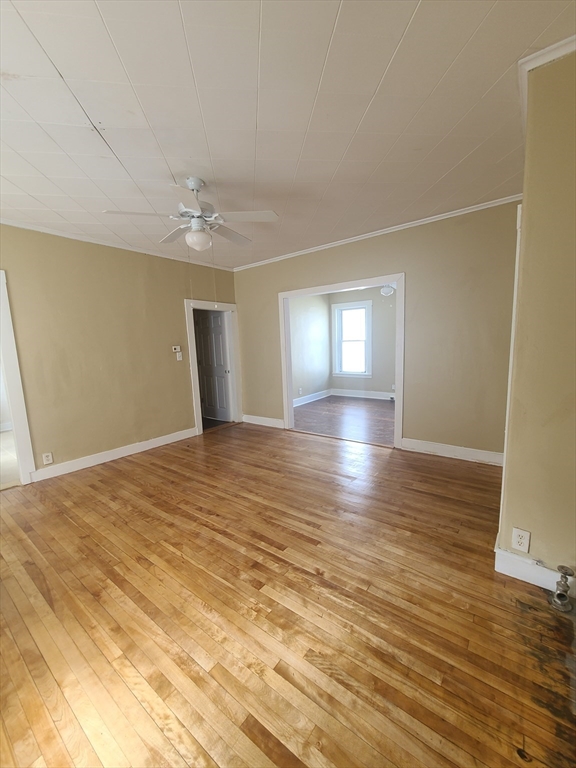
x: 337, y: 338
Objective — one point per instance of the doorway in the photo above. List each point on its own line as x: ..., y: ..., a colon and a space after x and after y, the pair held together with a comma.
x: 17, y: 459
x: 214, y: 363
x: 343, y: 359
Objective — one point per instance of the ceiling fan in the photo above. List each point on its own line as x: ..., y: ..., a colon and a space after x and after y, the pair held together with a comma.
x: 200, y: 220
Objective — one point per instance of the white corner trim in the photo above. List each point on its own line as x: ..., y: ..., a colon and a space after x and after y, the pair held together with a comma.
x: 366, y: 394
x: 264, y: 421
x: 311, y: 398
x: 452, y: 451
x: 538, y: 59
x: 5, y: 426
x: 85, y: 239
x: 529, y: 570
x: 397, y: 228
x: 54, y: 470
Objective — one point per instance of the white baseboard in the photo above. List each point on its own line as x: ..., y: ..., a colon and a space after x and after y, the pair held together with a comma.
x: 526, y: 569
x: 311, y: 398
x: 5, y: 426
x: 452, y: 451
x: 54, y: 470
x: 371, y: 395
x: 264, y: 421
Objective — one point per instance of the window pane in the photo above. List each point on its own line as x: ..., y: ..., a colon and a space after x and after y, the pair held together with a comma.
x: 353, y: 324
x: 353, y: 357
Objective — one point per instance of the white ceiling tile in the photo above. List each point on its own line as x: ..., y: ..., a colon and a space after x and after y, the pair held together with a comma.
x: 182, y: 167
x: 10, y: 108
x: 20, y: 53
x: 47, y: 100
x: 78, y: 216
x: 36, y: 185
x: 130, y: 141
x: 393, y: 172
x: 138, y: 204
x: 233, y: 170
x: 149, y: 37
x: 352, y: 171
x: 325, y: 145
x: 367, y: 147
x: 94, y: 229
x: 182, y: 142
x: 274, y: 170
x: 170, y: 106
x: 294, y: 42
x: 412, y: 147
x: 96, y: 204
x: 338, y: 112
x: 282, y: 110
x: 44, y: 216
x: 109, y: 104
x: 315, y: 170
x: 238, y: 14
x: 58, y: 202
x: 152, y: 168
x: 420, y: 61
x: 58, y: 7
x: 562, y: 27
x: 22, y: 201
x: 54, y: 164
x: 279, y: 145
x: 77, y: 139
x: 101, y: 166
x: 27, y: 137
x: 119, y: 188
x: 79, y: 46
x: 224, y: 57
x: 77, y: 187
x: 240, y: 144
x: 12, y: 164
x: 8, y: 187
x: 229, y: 109
x: 390, y: 114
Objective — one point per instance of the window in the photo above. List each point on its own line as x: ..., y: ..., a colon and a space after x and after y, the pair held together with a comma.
x: 352, y: 339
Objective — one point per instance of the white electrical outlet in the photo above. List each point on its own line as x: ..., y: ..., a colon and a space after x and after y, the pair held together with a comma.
x: 47, y: 458
x: 299, y: 390
x: 520, y: 540
x: 393, y: 387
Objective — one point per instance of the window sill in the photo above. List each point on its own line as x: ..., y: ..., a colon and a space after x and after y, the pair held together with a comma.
x: 353, y: 375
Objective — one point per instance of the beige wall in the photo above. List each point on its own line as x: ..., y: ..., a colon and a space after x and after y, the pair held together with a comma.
x: 540, y: 461
x: 94, y: 328
x: 383, y: 342
x: 459, y: 284
x: 310, y: 337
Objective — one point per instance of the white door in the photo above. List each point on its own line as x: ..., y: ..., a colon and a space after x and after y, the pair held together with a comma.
x: 213, y: 364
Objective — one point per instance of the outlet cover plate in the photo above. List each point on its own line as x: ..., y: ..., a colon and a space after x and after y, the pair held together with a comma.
x: 520, y: 540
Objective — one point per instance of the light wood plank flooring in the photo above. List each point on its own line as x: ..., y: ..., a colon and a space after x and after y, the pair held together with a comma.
x: 256, y: 597
x: 352, y: 418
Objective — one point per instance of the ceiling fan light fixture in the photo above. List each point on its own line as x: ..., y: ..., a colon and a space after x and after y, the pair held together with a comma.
x: 199, y: 239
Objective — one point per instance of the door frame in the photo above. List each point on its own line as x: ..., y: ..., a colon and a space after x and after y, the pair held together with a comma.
x: 286, y: 349
x: 230, y: 313
x: 14, y: 389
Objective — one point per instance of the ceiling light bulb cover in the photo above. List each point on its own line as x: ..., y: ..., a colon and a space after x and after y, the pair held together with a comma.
x: 387, y: 290
x: 199, y: 239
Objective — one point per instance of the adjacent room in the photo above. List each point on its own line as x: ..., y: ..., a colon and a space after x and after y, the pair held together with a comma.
x: 343, y: 355
x: 287, y: 325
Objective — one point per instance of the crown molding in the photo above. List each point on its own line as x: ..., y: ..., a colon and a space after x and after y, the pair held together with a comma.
x: 397, y: 228
x: 538, y: 59
x: 92, y: 241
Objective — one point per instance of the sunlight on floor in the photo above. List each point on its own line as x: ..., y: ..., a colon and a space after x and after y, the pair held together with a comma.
x: 9, y: 474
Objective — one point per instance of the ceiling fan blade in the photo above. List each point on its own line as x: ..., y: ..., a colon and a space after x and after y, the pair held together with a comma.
x: 229, y: 234
x: 135, y: 213
x: 189, y: 197
x: 249, y: 216
x: 175, y: 234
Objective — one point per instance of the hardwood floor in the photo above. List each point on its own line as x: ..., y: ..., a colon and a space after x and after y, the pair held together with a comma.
x: 352, y: 418
x: 257, y: 597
